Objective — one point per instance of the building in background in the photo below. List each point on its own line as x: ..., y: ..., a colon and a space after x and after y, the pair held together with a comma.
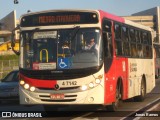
x: 7, y: 24
x: 151, y: 18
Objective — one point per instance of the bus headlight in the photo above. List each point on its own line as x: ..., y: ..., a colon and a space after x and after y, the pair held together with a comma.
x: 26, y: 86
x: 32, y: 89
x: 91, y: 85
x: 98, y: 81
x: 84, y: 87
x: 22, y: 82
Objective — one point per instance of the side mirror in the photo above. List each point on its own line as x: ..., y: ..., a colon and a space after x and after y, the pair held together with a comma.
x: 13, y: 41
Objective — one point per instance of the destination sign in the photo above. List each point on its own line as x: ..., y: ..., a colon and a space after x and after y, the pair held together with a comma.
x: 59, y: 18
x: 45, y: 34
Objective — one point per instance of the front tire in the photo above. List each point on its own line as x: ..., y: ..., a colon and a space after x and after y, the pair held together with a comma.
x: 114, y: 106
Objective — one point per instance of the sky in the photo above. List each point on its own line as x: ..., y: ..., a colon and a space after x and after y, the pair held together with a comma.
x: 117, y: 7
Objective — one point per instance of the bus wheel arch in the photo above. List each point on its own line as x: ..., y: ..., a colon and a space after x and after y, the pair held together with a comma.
x: 118, y: 96
x: 143, y: 90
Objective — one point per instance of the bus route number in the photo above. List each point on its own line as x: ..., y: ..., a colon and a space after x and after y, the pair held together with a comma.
x: 69, y: 83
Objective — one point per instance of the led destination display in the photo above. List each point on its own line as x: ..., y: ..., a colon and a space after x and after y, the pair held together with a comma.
x: 59, y: 18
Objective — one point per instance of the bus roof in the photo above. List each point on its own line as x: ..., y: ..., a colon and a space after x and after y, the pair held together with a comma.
x: 128, y: 22
x: 102, y: 13
x: 110, y: 16
x: 59, y: 10
x: 122, y: 20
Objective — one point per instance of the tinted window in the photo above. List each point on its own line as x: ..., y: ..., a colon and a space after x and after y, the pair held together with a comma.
x: 125, y: 36
x: 117, y: 28
x: 132, y: 35
x: 12, y: 76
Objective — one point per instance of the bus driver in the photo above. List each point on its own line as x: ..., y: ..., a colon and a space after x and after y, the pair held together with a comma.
x: 92, y: 45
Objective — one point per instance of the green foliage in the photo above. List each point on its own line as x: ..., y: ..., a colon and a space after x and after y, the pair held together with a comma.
x: 9, y: 57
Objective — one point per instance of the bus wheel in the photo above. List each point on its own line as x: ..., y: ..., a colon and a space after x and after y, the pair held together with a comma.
x: 114, y: 106
x: 141, y: 97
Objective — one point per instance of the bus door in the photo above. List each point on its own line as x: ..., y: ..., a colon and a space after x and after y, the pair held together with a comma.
x: 108, y: 61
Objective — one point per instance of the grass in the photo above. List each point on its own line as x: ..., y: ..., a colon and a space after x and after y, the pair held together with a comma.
x: 9, y: 57
x: 7, y: 64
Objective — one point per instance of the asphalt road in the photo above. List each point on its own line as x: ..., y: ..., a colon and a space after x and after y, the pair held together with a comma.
x: 89, y: 112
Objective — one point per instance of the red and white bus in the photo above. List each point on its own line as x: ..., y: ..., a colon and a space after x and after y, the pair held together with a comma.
x: 83, y: 57
x: 157, y: 60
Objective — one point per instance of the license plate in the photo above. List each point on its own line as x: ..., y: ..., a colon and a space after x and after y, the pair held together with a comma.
x: 57, y: 96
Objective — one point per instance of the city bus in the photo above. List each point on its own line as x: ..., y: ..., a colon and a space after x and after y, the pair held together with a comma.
x: 83, y: 57
x: 157, y: 60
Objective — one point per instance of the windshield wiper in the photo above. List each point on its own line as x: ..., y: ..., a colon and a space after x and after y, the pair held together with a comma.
x: 31, y: 35
x: 75, y: 31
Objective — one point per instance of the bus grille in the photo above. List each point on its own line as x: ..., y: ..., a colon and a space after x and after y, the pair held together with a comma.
x: 63, y: 88
x: 67, y: 98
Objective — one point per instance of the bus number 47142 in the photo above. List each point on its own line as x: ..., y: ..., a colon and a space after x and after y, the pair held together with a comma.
x: 69, y: 83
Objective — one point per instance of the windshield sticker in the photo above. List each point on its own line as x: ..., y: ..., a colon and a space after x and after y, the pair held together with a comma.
x: 46, y: 34
x: 44, y: 66
x: 64, y: 63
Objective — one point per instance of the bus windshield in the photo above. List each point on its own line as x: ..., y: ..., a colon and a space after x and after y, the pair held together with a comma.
x: 61, y: 49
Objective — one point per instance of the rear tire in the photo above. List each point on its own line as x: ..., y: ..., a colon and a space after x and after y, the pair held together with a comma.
x: 141, y: 97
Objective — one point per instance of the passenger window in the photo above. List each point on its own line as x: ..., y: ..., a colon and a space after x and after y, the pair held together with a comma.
x: 147, y: 51
x: 144, y: 38
x: 150, y: 39
x: 126, y: 48
x: 117, y: 31
x: 125, y: 36
x: 132, y: 35
x: 118, y: 44
x: 107, y: 37
x: 138, y: 36
x: 133, y: 50
x: 144, y: 51
x: 139, y: 51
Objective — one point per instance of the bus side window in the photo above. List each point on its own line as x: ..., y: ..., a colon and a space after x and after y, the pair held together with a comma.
x: 125, y: 36
x: 108, y: 45
x: 133, y: 50
x: 138, y: 36
x: 140, y: 51
x: 125, y: 39
x: 107, y: 37
x: 144, y: 38
x: 132, y: 35
x: 117, y: 29
x: 118, y: 39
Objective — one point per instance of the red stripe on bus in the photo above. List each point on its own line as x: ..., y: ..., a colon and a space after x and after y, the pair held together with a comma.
x: 118, y: 69
x: 110, y: 16
x: 39, y: 83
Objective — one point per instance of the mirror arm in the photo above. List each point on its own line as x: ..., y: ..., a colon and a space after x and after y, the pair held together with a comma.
x: 13, y: 40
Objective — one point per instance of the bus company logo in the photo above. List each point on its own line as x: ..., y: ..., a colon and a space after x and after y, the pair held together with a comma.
x: 56, y: 87
x: 133, y: 67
